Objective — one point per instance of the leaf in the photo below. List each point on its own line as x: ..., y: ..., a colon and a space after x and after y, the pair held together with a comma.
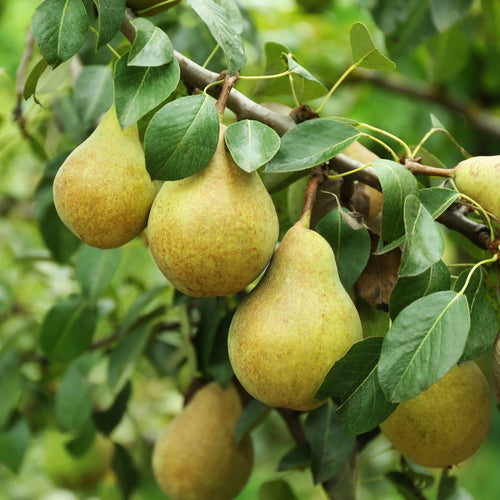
x: 252, y: 415
x: 251, y: 143
x: 364, y: 52
x: 79, y: 444
x: 59, y: 28
x: 445, y: 13
x: 298, y: 457
x: 426, y: 339
x: 233, y: 15
x: 95, y: 269
x: 276, y: 490
x: 182, y: 137
x: 14, y: 442
x: 214, y: 16
x: 406, y: 290
x: 11, y: 384
x: 351, y: 247
x: 109, y: 20
x: 354, y: 380
x: 449, y: 489
x: 330, y: 447
x: 67, y: 329
x: 307, y: 87
x: 151, y: 46
x: 404, y: 485
x: 33, y: 77
x: 311, y: 143
x: 108, y: 419
x: 424, y: 243
x: 436, y: 199
x: 397, y: 183
x: 140, y: 89
x: 484, y: 313
x: 125, y: 471
x: 93, y: 92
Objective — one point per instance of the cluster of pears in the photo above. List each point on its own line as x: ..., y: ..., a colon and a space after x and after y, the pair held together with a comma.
x: 196, y: 457
x: 446, y: 423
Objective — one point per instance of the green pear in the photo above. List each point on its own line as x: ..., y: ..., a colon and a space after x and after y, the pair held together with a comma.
x: 103, y: 192
x: 479, y: 178
x: 293, y: 326
x: 151, y: 7
x: 76, y: 472
x: 447, y: 422
x: 214, y: 232
x: 196, y: 457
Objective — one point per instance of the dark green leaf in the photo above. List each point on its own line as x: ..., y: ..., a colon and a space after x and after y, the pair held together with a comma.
x: 407, y: 290
x: 353, y: 379
x: 33, y: 77
x: 11, y: 384
x: 151, y: 46
x: 424, y: 243
x: 298, y: 457
x: 109, y: 20
x: 182, y: 137
x: 140, y: 89
x: 311, y: 143
x: 404, y: 485
x: 79, y: 444
x: 251, y: 143
x: 59, y: 28
x: 276, y: 490
x: 364, y: 52
x: 330, y: 447
x: 436, y: 199
x: 219, y: 367
x: 14, y: 442
x: 67, y: 329
x: 397, y: 183
x: 276, y: 62
x: 445, y: 13
x: 251, y: 416
x: 95, y: 269
x: 426, y: 339
x: 125, y: 471
x: 352, y: 247
x: 66, y: 114
x: 217, y: 21
x: 107, y: 420
x: 449, y: 489
x: 305, y: 85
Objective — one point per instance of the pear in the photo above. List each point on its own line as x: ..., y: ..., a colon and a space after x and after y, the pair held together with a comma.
x: 479, y: 178
x: 103, y: 192
x: 292, y: 327
x: 196, y: 457
x: 214, y: 232
x: 447, y: 422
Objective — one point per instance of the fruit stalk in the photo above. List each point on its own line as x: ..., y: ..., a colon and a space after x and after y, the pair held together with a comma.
x: 227, y: 86
x: 317, y: 177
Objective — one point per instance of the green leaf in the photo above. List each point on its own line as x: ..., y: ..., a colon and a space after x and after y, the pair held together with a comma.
x: 14, y: 442
x: 276, y: 62
x: 11, y: 384
x: 93, y: 92
x: 298, y: 457
x: 182, y: 137
x: 353, y: 379
x: 436, y: 199
x: 397, y: 183
x: 251, y: 143
x: 67, y: 329
x: 424, y: 243
x: 276, y: 490
x: 125, y: 471
x: 151, y: 46
x: 140, y: 89
x: 33, y: 77
x: 330, y: 447
x: 445, y: 13
x: 407, y: 290
x: 217, y: 21
x: 426, y: 339
x: 79, y: 444
x: 364, y: 52
x: 95, y: 269
x: 108, y: 419
x: 449, y: 489
x: 311, y: 143
x: 233, y: 15
x: 484, y: 312
x: 404, y: 485
x: 59, y: 28
x: 252, y: 415
x: 109, y: 20
x: 306, y: 87
x: 352, y: 247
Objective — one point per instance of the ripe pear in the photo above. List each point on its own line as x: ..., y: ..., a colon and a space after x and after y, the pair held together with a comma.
x: 479, y: 178
x: 447, y: 422
x: 103, y: 192
x: 214, y: 232
x: 196, y: 457
x: 153, y: 6
x: 293, y: 326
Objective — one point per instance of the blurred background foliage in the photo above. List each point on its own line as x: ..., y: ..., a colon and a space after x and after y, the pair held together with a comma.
x: 452, y: 73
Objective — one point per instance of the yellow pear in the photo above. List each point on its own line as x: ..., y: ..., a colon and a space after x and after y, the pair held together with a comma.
x: 196, y: 457
x: 447, y: 422
x: 294, y: 325
x: 103, y: 192
x: 479, y: 178
x: 214, y: 232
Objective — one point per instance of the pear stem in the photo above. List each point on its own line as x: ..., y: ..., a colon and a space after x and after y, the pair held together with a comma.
x: 317, y: 177
x: 418, y: 169
x: 227, y: 86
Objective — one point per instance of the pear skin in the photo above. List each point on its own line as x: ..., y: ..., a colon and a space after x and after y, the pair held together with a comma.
x: 445, y: 424
x: 479, y: 178
x: 196, y: 457
x: 103, y: 192
x: 213, y: 233
x: 293, y: 326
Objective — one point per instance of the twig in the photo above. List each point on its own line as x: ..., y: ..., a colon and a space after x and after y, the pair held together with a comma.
x: 227, y: 86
